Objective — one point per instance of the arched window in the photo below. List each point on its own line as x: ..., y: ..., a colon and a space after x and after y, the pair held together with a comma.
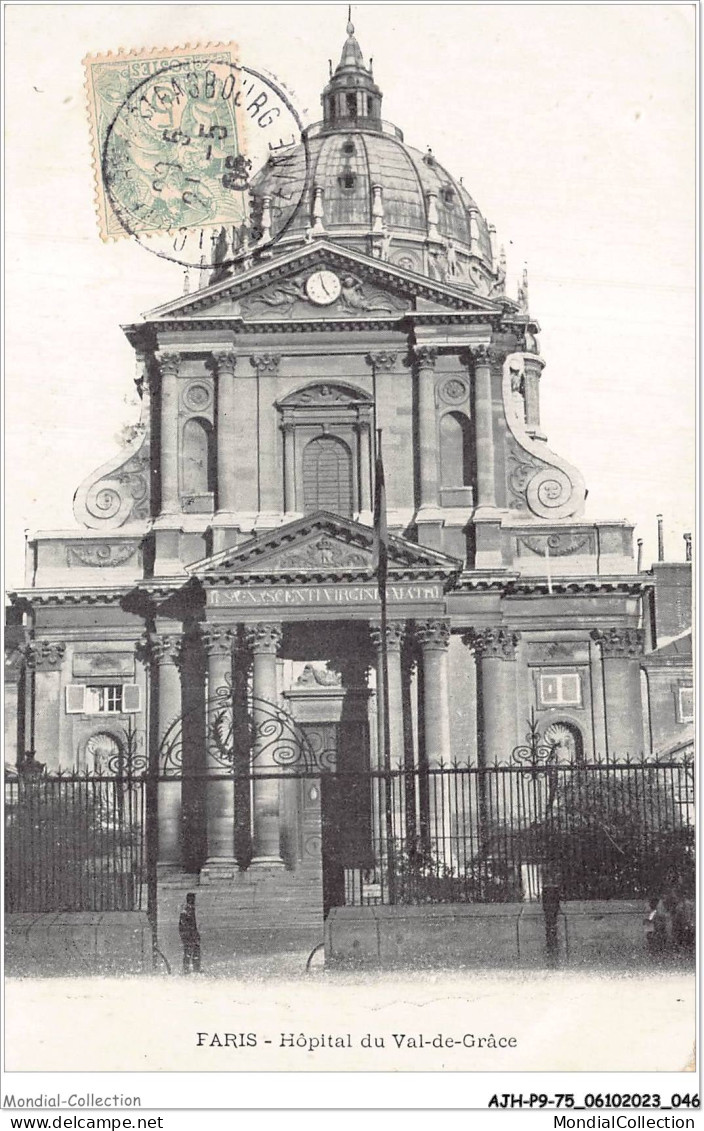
x: 455, y: 450
x: 198, y: 468
x: 327, y: 476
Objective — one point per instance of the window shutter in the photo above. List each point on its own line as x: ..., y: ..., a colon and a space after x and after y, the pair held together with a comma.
x: 131, y: 698
x: 75, y: 698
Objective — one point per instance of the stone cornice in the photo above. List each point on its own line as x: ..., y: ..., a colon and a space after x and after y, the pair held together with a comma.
x: 106, y: 595
x: 631, y: 585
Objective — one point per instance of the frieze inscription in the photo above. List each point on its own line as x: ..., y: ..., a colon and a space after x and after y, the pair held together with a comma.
x: 300, y: 596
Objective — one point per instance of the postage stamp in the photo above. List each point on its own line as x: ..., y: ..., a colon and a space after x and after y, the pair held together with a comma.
x: 177, y: 136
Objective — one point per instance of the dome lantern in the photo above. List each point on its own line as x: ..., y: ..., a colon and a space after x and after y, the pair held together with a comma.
x: 351, y: 98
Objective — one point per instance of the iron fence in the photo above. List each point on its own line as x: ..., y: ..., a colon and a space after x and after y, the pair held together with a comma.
x: 443, y: 834
x: 75, y: 843
x: 606, y: 830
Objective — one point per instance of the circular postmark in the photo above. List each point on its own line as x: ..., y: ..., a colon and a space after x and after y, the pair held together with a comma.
x: 182, y: 150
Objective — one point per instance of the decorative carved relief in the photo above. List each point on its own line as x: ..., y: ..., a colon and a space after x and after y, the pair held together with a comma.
x: 119, y: 491
x: 557, y: 545
x: 619, y: 643
x: 324, y: 395
x: 454, y: 391
x: 323, y: 551
x: 492, y: 643
x: 433, y: 635
x: 264, y: 637
x: 265, y: 361
x: 289, y: 298
x: 44, y: 655
x: 382, y: 359
x: 395, y: 632
x: 103, y: 555
x: 538, y: 480
x: 312, y: 676
x: 198, y: 396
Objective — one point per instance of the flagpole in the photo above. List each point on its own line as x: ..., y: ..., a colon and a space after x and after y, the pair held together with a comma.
x: 383, y: 712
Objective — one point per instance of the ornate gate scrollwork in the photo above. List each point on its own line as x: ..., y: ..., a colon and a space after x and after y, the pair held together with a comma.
x: 259, y: 737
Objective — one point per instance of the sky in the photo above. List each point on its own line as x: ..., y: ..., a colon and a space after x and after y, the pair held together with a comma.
x: 573, y: 127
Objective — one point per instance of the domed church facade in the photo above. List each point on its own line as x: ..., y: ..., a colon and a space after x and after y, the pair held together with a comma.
x: 230, y: 549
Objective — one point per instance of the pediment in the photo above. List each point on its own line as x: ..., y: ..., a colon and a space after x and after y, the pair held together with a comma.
x: 279, y: 289
x: 321, y: 547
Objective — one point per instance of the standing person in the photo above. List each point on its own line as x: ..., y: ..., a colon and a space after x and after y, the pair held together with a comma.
x: 190, y: 936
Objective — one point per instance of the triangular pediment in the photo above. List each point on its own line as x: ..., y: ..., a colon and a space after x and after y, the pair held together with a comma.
x: 352, y: 286
x: 321, y: 547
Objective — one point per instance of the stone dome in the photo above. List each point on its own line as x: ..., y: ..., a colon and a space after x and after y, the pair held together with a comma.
x: 354, y: 179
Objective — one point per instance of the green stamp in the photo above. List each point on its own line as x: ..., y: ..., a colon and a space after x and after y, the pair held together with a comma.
x: 177, y: 137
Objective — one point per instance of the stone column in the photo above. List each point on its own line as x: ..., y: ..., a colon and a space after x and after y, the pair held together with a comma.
x: 532, y: 369
x: 220, y: 796
x: 427, y: 424
x: 169, y: 364
x: 224, y: 362
x: 621, y: 651
x: 484, y: 427
x: 264, y: 640
x: 393, y: 802
x: 289, y: 467
x: 44, y: 660
x: 165, y: 650
x: 434, y: 639
x: 495, y: 649
x: 270, y: 485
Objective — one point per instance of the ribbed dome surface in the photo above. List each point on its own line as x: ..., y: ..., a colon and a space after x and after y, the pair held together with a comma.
x: 346, y: 166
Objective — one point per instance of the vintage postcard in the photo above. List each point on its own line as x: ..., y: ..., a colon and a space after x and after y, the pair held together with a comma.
x: 349, y: 718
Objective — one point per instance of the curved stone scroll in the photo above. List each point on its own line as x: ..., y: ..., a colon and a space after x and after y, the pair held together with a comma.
x: 119, y: 491
x: 538, y: 480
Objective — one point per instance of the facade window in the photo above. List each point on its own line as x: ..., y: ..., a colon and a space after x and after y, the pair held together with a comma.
x: 685, y: 704
x: 448, y: 197
x: 559, y: 689
x: 102, y: 699
x: 346, y: 180
x: 455, y: 450
x: 351, y: 104
x: 327, y: 476
x: 198, y: 475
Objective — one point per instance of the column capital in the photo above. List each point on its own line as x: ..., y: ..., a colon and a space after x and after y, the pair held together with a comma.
x: 44, y: 655
x: 433, y: 635
x: 395, y: 631
x: 426, y: 356
x: 159, y: 648
x: 619, y: 643
x: 381, y: 359
x: 264, y: 361
x: 264, y: 638
x: 218, y: 641
x: 481, y: 355
x: 496, y: 643
x: 169, y: 362
x: 224, y: 361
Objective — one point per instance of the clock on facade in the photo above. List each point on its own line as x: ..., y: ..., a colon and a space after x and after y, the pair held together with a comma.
x: 323, y: 287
